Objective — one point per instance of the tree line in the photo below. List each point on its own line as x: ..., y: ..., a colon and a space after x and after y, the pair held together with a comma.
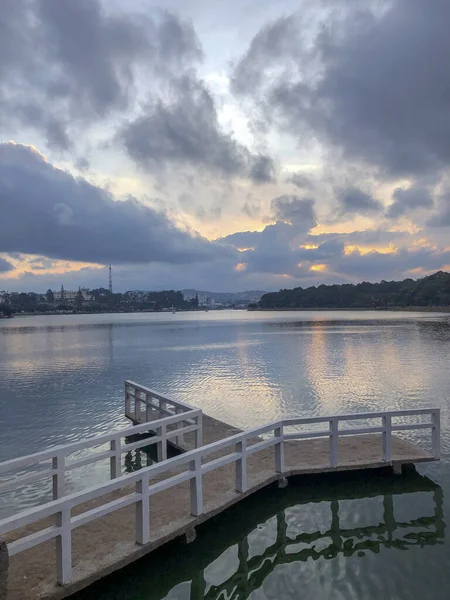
x: 430, y: 291
x: 101, y: 300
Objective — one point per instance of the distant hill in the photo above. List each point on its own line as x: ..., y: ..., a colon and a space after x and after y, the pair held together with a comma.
x: 433, y: 290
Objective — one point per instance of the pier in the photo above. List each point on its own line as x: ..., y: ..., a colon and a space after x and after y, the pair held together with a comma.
x: 67, y: 543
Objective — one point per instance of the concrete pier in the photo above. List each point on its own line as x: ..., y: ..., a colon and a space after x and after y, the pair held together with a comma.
x: 108, y: 543
x: 59, y: 547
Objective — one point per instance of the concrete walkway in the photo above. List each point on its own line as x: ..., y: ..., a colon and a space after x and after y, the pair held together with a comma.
x: 108, y: 543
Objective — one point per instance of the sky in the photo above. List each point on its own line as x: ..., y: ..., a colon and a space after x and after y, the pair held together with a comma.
x: 225, y: 145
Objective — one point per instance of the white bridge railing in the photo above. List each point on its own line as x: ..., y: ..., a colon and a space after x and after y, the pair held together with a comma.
x: 241, y: 445
x: 55, y: 462
x: 143, y: 404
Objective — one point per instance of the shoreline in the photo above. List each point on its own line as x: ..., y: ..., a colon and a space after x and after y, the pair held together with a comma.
x: 431, y: 309
x: 439, y: 309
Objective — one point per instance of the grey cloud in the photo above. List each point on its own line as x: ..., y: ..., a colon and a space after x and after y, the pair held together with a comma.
x: 378, y: 87
x: 192, y: 207
x: 241, y: 239
x: 47, y: 211
x: 368, y: 236
x: 251, y: 209
x: 355, y: 201
x: 412, y: 198
x: 186, y: 132
x: 375, y: 265
x: 301, y: 181
x: 81, y: 62
x: 5, y: 265
x: 298, y: 211
x: 268, y: 50
x: 442, y: 217
x: 262, y: 169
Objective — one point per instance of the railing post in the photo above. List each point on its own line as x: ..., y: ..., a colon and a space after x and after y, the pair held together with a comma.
x: 137, y: 405
x: 64, y: 547
x: 148, y: 409
x: 436, y: 433
x: 279, y: 450
x: 161, y: 446
x: 387, y: 438
x: 241, y: 467
x: 115, y: 462
x: 127, y: 400
x: 334, y: 433
x: 196, y: 487
x: 198, y: 433
x: 58, y: 478
x: 143, y: 511
x: 180, y: 438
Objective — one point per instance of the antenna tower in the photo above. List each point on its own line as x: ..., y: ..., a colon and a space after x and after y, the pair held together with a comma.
x: 110, y: 279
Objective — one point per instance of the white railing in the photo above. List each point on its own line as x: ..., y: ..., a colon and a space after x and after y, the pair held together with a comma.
x: 58, y: 464
x: 242, y: 444
x: 143, y: 404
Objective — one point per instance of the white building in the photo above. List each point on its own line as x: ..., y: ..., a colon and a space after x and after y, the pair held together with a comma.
x: 70, y: 296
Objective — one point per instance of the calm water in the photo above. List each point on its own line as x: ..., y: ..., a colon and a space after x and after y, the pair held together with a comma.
x: 61, y: 379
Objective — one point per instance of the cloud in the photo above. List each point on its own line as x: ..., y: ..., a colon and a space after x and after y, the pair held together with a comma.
x: 47, y: 211
x: 295, y: 210
x: 64, y: 65
x: 373, y: 84
x: 375, y: 266
x: 191, y: 206
x: 407, y: 200
x: 5, y: 265
x: 183, y: 130
x: 262, y: 169
x: 354, y: 201
x: 301, y: 181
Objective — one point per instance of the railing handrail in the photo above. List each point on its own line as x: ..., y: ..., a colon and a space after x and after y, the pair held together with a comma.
x: 76, y: 498
x: 359, y: 416
x: 92, y: 442
x: 155, y: 394
x: 62, y: 507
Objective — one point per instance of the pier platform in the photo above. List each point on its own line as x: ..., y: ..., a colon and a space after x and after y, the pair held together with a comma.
x: 102, y: 529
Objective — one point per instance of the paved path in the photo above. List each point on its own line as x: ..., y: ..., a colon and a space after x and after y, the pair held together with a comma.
x: 108, y: 543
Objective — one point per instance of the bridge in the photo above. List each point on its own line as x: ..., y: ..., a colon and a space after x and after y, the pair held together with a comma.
x: 76, y: 537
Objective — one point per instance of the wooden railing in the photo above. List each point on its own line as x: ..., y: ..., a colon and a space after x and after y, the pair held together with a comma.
x: 196, y: 467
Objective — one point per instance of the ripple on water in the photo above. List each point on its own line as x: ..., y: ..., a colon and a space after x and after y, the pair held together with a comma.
x: 64, y: 383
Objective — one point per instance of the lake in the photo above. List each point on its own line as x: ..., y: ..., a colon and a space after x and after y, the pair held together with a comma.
x: 361, y: 536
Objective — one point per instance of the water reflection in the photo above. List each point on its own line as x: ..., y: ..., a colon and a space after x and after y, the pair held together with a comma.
x: 236, y: 553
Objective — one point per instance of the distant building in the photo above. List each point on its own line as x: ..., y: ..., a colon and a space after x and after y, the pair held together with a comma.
x: 70, y: 296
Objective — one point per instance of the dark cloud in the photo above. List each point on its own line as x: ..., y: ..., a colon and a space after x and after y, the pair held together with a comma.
x: 354, y: 201
x: 442, y: 217
x: 297, y: 211
x: 64, y: 64
x: 301, y: 181
x: 5, y: 265
x: 407, y: 200
x: 252, y: 209
x: 185, y: 131
x: 379, y: 237
x: 267, y: 55
x: 47, y: 211
x: 262, y: 169
x: 375, y: 85
x: 375, y: 266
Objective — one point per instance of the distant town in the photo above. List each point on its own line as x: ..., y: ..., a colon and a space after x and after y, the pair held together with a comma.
x: 432, y: 291
x: 99, y: 300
